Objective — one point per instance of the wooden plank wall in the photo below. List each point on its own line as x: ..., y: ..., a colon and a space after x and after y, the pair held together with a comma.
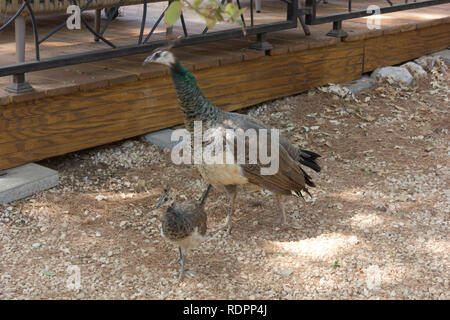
x: 55, y: 126
x: 391, y: 49
x: 32, y: 131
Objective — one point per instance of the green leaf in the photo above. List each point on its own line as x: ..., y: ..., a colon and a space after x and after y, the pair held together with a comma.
x: 336, y: 264
x: 173, y: 13
x: 210, y: 23
x: 196, y: 3
x: 229, y: 8
x: 48, y: 273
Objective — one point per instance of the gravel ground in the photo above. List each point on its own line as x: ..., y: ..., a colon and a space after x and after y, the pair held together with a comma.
x: 376, y: 227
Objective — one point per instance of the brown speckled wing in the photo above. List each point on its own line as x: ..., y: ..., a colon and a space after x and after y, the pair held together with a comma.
x: 181, y: 219
x: 290, y: 176
x: 306, y: 158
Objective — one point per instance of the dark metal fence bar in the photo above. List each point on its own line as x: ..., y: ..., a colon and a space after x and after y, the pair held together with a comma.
x: 313, y: 19
x: 144, y: 19
x: 144, y: 46
x: 35, y: 30
x: 251, y: 13
x: 155, y: 26
x: 111, y: 17
x: 242, y: 16
x: 14, y: 16
x: 68, y: 60
x: 183, y: 24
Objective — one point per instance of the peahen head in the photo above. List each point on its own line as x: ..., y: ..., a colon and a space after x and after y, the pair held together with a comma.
x: 162, y: 56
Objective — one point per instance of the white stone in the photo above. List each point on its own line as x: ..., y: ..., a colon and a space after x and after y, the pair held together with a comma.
x: 444, y: 54
x: 416, y: 70
x: 161, y: 138
x: 286, y: 272
x: 26, y: 180
x: 364, y: 83
x: 397, y: 74
x: 431, y: 61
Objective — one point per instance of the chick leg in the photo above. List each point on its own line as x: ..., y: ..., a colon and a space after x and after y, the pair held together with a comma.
x: 177, y: 259
x: 183, y: 260
x: 280, y: 199
x: 231, y: 190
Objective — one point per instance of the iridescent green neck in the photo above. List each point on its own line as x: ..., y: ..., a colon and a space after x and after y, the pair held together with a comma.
x: 192, y: 100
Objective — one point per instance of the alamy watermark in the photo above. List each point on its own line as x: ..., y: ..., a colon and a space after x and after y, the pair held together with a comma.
x: 74, y: 280
x: 228, y: 146
x: 374, y: 21
x: 74, y: 20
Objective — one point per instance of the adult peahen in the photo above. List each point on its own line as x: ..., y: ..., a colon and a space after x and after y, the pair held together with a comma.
x: 290, y: 179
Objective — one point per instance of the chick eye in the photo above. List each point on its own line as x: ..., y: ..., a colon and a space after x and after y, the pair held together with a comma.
x: 166, y: 198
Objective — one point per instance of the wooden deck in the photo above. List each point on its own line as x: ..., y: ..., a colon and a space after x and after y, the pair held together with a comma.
x: 86, y: 105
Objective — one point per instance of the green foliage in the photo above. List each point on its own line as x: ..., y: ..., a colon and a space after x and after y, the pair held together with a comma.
x: 336, y: 264
x: 173, y: 13
x: 48, y: 273
x: 212, y: 11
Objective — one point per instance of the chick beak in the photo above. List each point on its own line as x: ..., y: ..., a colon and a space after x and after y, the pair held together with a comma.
x: 160, y: 202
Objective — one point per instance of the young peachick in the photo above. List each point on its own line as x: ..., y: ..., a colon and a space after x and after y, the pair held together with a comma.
x: 184, y: 224
x: 290, y: 179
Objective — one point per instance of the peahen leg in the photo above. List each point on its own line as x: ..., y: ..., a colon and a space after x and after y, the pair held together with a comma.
x: 231, y: 190
x: 205, y: 195
x: 280, y: 199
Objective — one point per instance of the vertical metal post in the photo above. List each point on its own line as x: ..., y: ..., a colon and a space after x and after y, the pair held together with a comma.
x: 19, y: 84
x: 261, y: 42
x: 258, y: 6
x: 97, y: 22
x: 20, y: 38
x: 337, y: 31
x: 251, y: 13
x: 292, y: 9
x: 310, y: 17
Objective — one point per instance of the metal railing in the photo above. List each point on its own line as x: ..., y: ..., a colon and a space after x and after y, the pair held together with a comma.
x: 143, y: 44
x: 311, y: 18
x: 305, y: 15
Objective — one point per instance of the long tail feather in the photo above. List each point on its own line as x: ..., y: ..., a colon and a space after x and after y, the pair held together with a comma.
x: 308, y: 158
x: 308, y: 179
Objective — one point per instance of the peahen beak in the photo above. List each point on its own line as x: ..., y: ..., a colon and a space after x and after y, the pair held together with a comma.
x: 148, y: 59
